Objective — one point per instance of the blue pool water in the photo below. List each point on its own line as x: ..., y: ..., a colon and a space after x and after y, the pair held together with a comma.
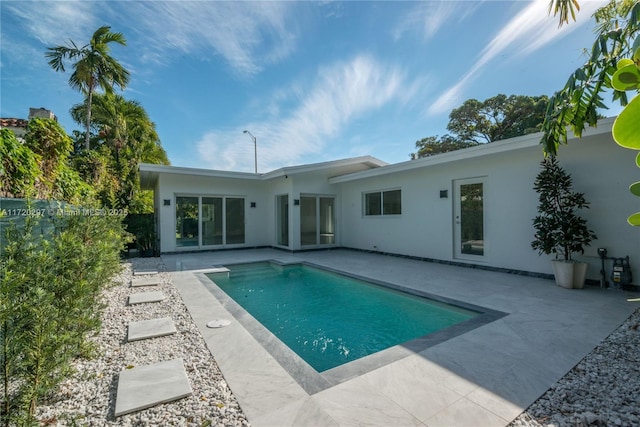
x: 330, y: 319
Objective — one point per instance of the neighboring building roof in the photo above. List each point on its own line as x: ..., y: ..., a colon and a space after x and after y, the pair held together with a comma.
x: 13, y: 123
x: 149, y: 172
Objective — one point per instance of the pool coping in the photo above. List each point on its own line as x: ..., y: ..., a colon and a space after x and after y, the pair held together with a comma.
x: 312, y: 381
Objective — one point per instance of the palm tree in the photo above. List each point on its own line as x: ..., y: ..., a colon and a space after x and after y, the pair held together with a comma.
x: 123, y: 129
x: 564, y: 8
x: 93, y: 66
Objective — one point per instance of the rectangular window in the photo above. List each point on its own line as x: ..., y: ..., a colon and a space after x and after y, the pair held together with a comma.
x: 383, y: 203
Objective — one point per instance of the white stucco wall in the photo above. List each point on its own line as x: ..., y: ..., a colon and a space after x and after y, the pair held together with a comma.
x: 600, y: 169
x: 253, y: 191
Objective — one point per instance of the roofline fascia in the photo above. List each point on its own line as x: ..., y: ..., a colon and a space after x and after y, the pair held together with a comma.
x: 505, y: 145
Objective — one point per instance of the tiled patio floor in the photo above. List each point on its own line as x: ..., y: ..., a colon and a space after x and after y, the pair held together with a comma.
x: 483, y: 377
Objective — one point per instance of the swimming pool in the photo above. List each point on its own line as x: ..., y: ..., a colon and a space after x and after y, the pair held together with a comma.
x: 329, y: 319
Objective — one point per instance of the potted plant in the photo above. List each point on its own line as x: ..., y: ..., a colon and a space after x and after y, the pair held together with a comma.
x: 559, y: 229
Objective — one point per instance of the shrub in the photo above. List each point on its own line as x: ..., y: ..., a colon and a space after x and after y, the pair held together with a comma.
x: 50, y: 284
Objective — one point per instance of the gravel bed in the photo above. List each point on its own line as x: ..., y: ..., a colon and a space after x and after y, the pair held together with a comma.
x: 88, y: 397
x: 602, y: 390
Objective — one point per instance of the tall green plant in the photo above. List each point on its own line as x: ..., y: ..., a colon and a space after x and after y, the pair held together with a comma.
x: 559, y: 228
x: 50, y: 284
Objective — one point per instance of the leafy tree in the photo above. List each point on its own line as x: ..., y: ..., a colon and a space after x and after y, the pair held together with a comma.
x: 93, y: 67
x: 126, y: 137
x: 493, y: 119
x: 432, y: 145
x: 497, y: 118
x: 18, y: 166
x: 52, y: 146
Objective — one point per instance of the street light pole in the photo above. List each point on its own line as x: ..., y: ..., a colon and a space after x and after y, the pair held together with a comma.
x: 255, y: 149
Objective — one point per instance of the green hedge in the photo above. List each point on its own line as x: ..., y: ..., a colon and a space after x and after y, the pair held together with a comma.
x: 52, y: 272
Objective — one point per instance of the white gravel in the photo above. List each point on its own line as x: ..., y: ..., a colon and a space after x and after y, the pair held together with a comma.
x: 602, y: 390
x: 88, y: 397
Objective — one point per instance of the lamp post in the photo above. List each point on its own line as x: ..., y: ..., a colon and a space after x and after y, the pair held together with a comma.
x: 255, y: 148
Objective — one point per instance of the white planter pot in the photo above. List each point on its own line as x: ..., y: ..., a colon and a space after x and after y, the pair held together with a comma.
x: 570, y: 275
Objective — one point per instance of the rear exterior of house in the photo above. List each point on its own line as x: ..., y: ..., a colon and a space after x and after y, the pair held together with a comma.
x: 473, y: 206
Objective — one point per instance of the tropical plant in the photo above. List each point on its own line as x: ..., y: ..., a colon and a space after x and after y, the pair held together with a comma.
x: 613, y: 65
x: 93, y: 67
x: 52, y: 146
x: 559, y: 229
x: 123, y: 127
x: 18, y: 166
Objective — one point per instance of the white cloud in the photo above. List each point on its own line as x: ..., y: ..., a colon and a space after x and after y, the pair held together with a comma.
x: 528, y: 31
x: 340, y: 94
x: 54, y: 22
x: 247, y: 35
x: 427, y: 18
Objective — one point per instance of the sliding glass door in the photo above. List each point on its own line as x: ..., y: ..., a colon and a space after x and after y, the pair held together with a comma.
x: 187, y: 231
x: 209, y: 221
x: 317, y: 220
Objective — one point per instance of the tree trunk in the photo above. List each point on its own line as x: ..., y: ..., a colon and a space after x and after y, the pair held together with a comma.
x: 88, y: 124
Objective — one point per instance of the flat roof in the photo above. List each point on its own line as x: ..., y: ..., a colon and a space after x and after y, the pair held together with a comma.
x: 149, y: 172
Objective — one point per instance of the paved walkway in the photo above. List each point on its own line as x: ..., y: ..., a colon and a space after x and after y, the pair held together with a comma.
x: 486, y: 376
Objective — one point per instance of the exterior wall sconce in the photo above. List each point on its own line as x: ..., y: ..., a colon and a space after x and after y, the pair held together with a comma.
x: 296, y: 202
x: 166, y: 202
x: 253, y: 204
x: 444, y: 194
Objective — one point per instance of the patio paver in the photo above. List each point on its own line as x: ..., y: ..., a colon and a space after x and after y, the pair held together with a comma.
x: 151, y: 328
x: 486, y: 376
x: 146, y: 386
x: 144, y: 281
x: 144, y: 297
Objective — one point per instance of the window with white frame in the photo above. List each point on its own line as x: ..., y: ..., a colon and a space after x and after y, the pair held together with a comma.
x: 388, y: 202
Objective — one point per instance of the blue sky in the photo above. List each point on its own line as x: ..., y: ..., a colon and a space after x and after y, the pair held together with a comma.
x: 313, y: 81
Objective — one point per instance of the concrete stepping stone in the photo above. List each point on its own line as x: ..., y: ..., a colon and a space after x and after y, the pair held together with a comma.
x: 145, y: 281
x: 143, y: 271
x: 146, y: 386
x: 143, y: 297
x: 150, y: 329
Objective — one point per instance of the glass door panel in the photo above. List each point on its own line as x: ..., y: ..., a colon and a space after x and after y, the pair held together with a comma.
x: 282, y: 215
x: 327, y: 232
x: 470, y: 219
x: 308, y: 223
x: 187, y: 232
x: 234, y: 220
x: 211, y: 221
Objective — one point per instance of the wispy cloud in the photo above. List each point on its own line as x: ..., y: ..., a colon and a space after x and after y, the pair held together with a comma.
x: 53, y: 23
x: 427, y: 18
x: 340, y: 94
x: 42, y: 24
x: 528, y: 31
x: 248, y: 35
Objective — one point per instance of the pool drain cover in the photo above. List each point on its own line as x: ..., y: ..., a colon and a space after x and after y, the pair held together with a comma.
x: 218, y: 323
